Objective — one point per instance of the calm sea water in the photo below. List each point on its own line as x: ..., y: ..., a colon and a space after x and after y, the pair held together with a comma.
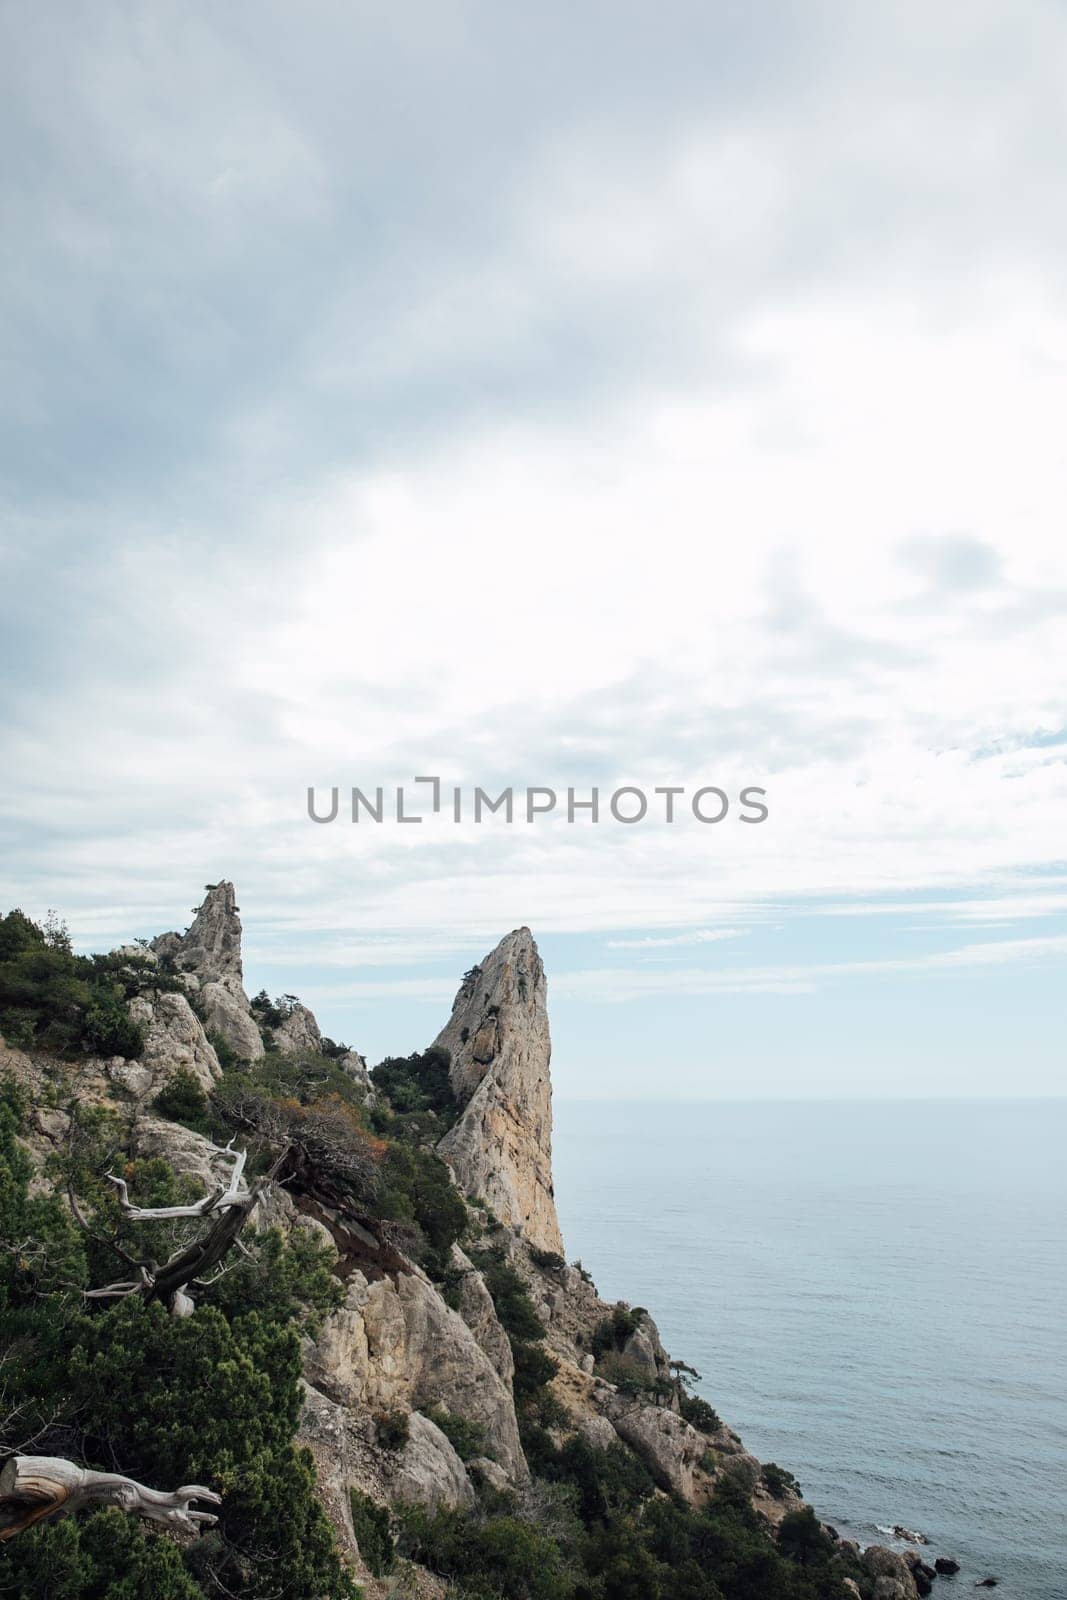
x: 875, y: 1294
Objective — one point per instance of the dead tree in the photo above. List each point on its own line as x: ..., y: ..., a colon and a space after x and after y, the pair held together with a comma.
x: 33, y: 1488
x: 224, y: 1211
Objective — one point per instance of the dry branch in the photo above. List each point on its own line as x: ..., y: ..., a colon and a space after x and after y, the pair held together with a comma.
x: 33, y: 1488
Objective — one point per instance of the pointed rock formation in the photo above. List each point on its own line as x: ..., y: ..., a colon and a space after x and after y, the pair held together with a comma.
x: 499, y: 1048
x: 298, y: 1034
x: 210, y: 956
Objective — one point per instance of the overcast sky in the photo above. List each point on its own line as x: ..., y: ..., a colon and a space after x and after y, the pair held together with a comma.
x: 574, y: 394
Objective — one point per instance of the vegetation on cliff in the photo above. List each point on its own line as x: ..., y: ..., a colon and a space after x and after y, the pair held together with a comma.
x: 215, y: 1397
x: 53, y: 1000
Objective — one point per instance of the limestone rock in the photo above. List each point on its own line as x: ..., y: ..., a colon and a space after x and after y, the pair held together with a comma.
x: 324, y: 1429
x: 212, y: 947
x: 354, y: 1065
x: 18, y: 1065
x: 499, y: 1049
x: 428, y: 1471
x: 671, y: 1449
x: 644, y: 1349
x: 182, y: 1149
x: 230, y: 1016
x: 482, y: 1470
x: 479, y: 1313
x: 892, y: 1575
x: 131, y: 1076
x: 137, y: 952
x: 174, y: 1038
x: 298, y: 1033
x: 397, y: 1345
x: 210, y: 954
x: 575, y: 1390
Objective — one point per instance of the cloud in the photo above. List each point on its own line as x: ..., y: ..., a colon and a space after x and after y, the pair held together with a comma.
x: 574, y: 398
x: 669, y: 941
x: 615, y: 985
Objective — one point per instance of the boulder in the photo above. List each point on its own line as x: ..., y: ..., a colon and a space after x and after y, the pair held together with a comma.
x: 354, y: 1065
x: 945, y: 1567
x: 428, y: 1471
x: 891, y: 1574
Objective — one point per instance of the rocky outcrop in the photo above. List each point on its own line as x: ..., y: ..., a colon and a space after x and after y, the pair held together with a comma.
x: 479, y: 1313
x: 209, y: 956
x: 174, y: 1040
x: 892, y: 1576
x: 355, y: 1067
x: 397, y: 1345
x: 424, y: 1471
x: 499, y: 1049
x: 211, y: 948
x: 298, y: 1034
x: 671, y: 1449
x: 230, y: 1016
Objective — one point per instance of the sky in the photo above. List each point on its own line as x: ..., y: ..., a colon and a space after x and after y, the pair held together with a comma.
x: 570, y: 396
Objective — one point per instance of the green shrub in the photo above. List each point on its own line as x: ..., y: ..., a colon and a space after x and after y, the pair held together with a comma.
x: 285, y: 1280
x: 699, y: 1413
x: 393, y: 1429
x: 224, y: 1050
x: 416, y: 1186
x: 210, y: 1399
x: 628, y: 1376
x: 613, y: 1332
x: 181, y: 1099
x: 70, y: 1004
x: 802, y: 1538
x: 418, y: 1083
x: 466, y: 1437
x: 778, y: 1482
x: 510, y: 1296
x: 488, y: 1557
x: 373, y: 1529
x: 105, y: 1556
x: 547, y: 1260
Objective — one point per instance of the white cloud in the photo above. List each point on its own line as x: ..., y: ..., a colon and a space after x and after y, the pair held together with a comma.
x: 670, y: 941
x: 615, y: 985
x: 731, y: 452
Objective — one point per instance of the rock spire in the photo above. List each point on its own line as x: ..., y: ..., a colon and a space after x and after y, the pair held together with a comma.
x: 499, y: 1048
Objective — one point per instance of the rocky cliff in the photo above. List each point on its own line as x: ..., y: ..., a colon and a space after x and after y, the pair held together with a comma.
x: 461, y: 1339
x: 208, y: 955
x: 499, y: 1050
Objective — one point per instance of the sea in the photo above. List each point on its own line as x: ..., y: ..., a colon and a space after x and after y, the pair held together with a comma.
x: 874, y: 1294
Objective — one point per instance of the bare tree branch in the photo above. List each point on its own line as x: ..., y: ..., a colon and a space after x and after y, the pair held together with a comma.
x: 33, y: 1488
x: 215, y: 1200
x: 226, y: 1210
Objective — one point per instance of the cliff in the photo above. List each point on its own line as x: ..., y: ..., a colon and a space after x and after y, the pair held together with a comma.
x: 499, y: 1051
x: 458, y: 1373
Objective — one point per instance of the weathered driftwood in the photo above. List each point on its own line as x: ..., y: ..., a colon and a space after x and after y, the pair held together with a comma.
x: 35, y: 1487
